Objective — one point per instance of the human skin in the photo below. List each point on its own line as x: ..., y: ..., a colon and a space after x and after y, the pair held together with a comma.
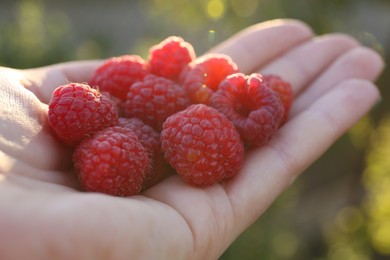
x: 44, y: 215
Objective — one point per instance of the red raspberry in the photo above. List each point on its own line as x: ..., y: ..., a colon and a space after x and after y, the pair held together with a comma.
x: 202, y: 145
x: 169, y: 57
x: 154, y: 99
x: 147, y: 136
x: 253, y: 107
x: 150, y: 139
x: 119, y: 104
x: 77, y: 111
x: 202, y: 76
x: 283, y: 89
x: 117, y: 74
x: 112, y: 161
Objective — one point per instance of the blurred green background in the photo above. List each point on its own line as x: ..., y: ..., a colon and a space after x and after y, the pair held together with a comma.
x: 340, y: 207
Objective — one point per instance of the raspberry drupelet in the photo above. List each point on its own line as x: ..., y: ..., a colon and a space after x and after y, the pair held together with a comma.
x: 150, y: 139
x: 154, y: 99
x: 112, y: 161
x: 77, y: 111
x: 202, y: 145
x: 168, y: 58
x: 254, y: 108
x: 117, y: 74
x: 283, y: 89
x: 201, y: 77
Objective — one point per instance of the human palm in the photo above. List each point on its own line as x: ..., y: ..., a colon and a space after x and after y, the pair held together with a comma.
x: 44, y: 214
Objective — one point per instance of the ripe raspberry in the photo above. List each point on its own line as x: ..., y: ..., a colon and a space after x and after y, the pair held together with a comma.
x: 119, y: 103
x: 202, y: 76
x: 147, y: 136
x: 117, y: 74
x: 112, y: 161
x: 283, y: 89
x: 202, y: 145
x: 154, y: 99
x: 253, y: 107
x: 77, y: 111
x: 150, y: 139
x: 169, y: 57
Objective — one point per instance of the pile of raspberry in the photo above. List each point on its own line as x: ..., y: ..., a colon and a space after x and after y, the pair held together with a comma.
x: 138, y: 121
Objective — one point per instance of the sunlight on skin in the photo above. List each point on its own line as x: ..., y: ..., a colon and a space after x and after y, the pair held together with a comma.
x: 6, y: 163
x: 19, y: 106
x: 181, y: 222
x: 243, y: 46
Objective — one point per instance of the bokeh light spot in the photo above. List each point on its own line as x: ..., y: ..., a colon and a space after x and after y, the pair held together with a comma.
x: 215, y: 9
x: 349, y: 219
x: 381, y: 238
x: 211, y: 36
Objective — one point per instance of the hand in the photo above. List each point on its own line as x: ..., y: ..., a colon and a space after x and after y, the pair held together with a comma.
x: 45, y: 216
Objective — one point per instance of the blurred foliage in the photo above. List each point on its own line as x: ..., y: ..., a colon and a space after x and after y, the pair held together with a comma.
x: 33, y: 37
x: 376, y: 180
x: 340, y: 207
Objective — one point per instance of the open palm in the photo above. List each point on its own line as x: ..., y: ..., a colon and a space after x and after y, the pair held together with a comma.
x: 44, y: 215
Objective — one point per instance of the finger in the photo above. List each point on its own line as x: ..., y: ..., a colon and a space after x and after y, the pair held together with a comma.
x: 270, y: 169
x: 12, y: 167
x: 360, y: 62
x: 305, y: 62
x: 43, y: 81
x: 258, y: 44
